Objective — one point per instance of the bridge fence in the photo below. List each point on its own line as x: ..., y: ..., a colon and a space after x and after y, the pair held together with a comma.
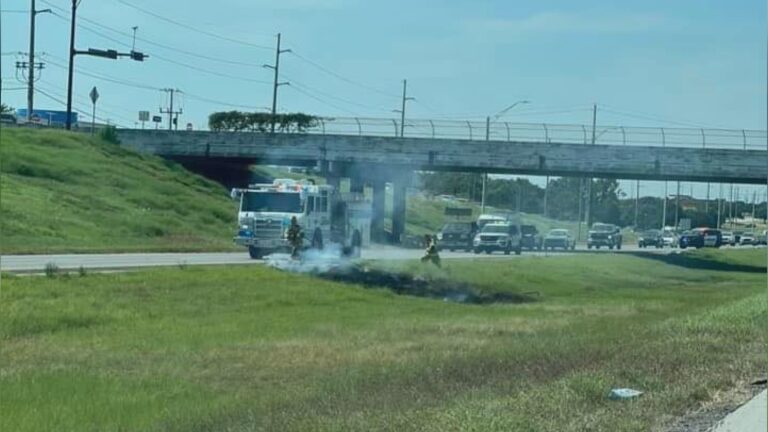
x: 545, y: 132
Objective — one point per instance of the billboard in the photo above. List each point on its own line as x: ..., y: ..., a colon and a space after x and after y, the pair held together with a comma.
x: 46, y: 117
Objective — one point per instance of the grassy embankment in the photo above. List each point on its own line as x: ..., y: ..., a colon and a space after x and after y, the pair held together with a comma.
x: 250, y: 348
x: 66, y: 192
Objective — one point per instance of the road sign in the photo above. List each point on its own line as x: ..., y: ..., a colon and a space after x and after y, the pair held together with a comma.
x: 143, y: 116
x: 94, y: 95
x: 157, y: 119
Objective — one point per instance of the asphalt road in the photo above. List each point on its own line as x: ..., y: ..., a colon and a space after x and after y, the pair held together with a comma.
x: 124, y: 261
x: 750, y: 417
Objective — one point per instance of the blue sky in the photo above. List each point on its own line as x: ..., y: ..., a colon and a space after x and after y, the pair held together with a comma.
x: 658, y: 62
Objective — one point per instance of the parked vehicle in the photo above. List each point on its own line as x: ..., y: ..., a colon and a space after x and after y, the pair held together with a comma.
x: 650, y: 238
x: 737, y: 236
x: 487, y: 218
x: 8, y: 119
x: 712, y: 237
x: 728, y: 238
x: 457, y: 235
x: 701, y: 237
x: 559, y: 238
x: 531, y: 238
x: 670, y: 236
x: 691, y: 239
x: 762, y: 239
x: 603, y: 234
x: 748, y: 238
x: 504, y: 237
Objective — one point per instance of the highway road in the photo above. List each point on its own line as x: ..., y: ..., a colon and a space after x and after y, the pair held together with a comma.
x: 125, y: 261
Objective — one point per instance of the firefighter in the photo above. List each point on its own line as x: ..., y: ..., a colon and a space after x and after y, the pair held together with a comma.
x: 430, y: 254
x: 295, y: 238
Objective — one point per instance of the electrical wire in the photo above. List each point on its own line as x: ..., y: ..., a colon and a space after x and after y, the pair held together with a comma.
x: 195, y: 29
x: 330, y: 96
x: 79, y: 111
x: 84, y: 100
x: 343, y: 78
x: 153, y: 88
x: 168, y: 60
x: 157, y: 44
x: 643, y: 116
x: 324, y: 102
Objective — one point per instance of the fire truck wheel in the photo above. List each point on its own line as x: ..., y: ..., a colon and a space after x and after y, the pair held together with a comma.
x: 317, y: 239
x: 254, y: 252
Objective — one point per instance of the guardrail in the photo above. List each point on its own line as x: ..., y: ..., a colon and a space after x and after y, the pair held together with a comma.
x: 745, y: 139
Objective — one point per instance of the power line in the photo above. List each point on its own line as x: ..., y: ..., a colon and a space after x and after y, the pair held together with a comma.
x: 85, y: 100
x: 55, y: 99
x: 168, y: 60
x: 153, y: 88
x: 194, y: 29
x: 330, y: 96
x: 108, y: 79
x: 643, y: 116
x: 309, y: 95
x: 157, y: 44
x: 343, y: 78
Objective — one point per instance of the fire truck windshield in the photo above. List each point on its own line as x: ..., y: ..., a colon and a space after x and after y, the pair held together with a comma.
x: 278, y: 202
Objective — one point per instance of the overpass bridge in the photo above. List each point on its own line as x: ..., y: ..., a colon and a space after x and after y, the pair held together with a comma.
x: 371, y: 151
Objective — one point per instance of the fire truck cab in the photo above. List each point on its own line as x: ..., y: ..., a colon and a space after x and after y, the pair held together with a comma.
x: 325, y: 215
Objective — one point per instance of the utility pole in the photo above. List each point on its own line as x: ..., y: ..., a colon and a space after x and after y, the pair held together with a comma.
x: 730, y: 207
x: 171, y: 113
x: 588, y: 216
x: 664, y: 206
x: 719, y: 204
x: 402, y: 121
x: 71, y: 72
x: 706, y: 203
x: 581, y: 204
x: 31, y: 73
x: 276, y: 68
x: 487, y: 138
x: 637, y: 200
x: 677, y: 206
x: 546, y: 192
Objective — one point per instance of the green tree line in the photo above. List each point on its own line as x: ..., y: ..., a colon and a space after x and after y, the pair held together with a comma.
x: 238, y: 121
x: 609, y: 203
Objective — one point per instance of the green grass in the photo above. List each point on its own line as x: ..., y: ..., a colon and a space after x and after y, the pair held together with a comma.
x: 67, y: 192
x: 250, y: 348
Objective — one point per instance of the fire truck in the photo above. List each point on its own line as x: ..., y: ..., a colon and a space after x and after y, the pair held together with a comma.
x: 326, y: 216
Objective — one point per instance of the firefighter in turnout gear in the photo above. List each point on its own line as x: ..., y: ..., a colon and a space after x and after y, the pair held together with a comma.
x: 295, y: 238
x: 430, y: 254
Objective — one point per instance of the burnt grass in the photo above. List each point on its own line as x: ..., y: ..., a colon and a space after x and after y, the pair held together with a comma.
x: 419, y: 286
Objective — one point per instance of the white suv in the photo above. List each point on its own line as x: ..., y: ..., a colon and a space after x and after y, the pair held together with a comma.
x: 502, y: 237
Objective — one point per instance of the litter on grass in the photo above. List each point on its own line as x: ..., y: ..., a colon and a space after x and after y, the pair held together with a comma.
x: 624, y: 393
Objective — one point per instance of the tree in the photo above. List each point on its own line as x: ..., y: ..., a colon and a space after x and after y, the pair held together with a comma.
x: 5, y: 109
x: 237, y: 121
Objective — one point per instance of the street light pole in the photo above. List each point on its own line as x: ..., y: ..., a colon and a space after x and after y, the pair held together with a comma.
x: 487, y: 139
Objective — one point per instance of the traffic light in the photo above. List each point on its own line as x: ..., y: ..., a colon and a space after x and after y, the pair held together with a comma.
x: 138, y: 56
x: 110, y: 54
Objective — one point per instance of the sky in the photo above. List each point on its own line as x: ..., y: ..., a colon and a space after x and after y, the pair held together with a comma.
x: 644, y: 63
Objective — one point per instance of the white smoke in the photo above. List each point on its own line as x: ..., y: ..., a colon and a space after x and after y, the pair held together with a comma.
x: 331, y: 257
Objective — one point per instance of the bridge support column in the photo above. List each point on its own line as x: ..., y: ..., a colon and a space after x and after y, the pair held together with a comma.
x: 378, y: 206
x: 398, y: 210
